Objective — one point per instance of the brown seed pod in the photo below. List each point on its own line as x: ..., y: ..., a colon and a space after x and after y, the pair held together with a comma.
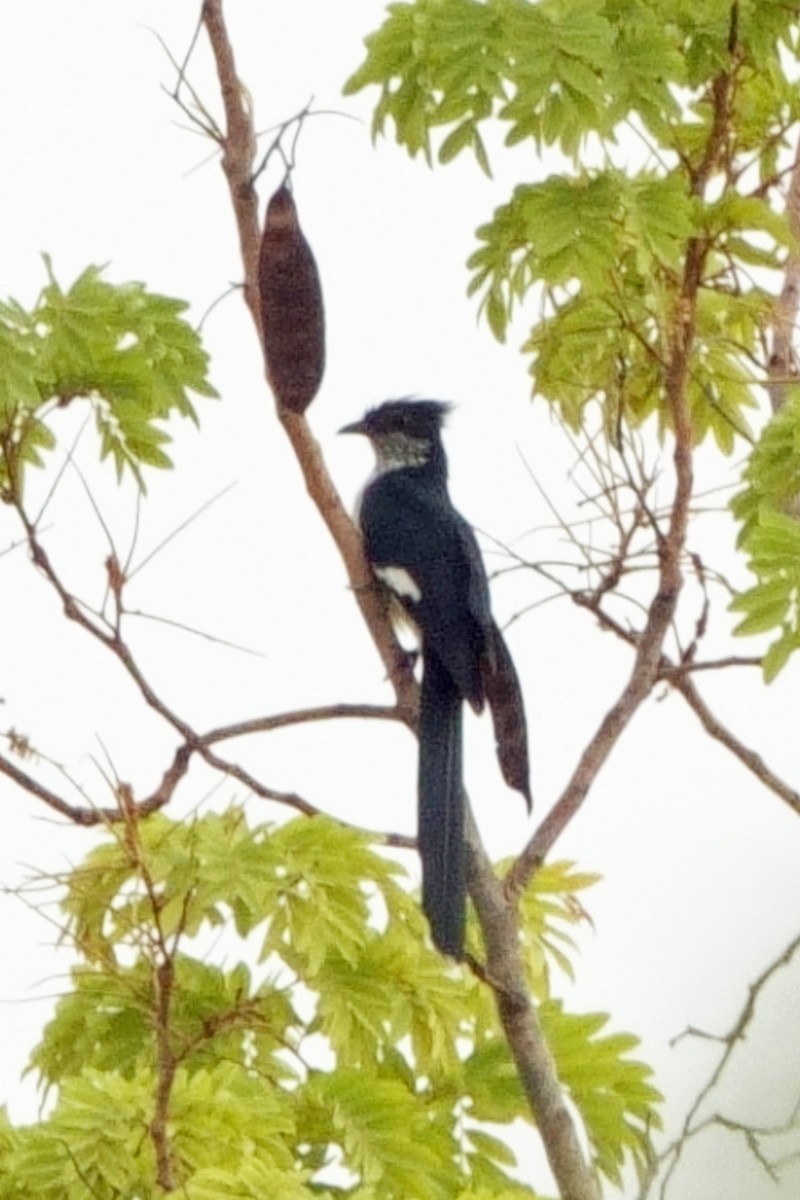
x: 292, y: 313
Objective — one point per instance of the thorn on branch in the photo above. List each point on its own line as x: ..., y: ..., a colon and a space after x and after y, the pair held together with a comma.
x: 116, y: 576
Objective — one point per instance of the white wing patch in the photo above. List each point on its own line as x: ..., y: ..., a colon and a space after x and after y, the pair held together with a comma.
x: 400, y: 582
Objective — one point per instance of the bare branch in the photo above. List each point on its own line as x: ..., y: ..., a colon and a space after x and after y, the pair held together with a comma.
x: 239, y: 149
x: 112, y: 640
x: 198, y: 115
x: 237, y: 163
x: 161, y: 960
x: 79, y: 816
x: 730, y: 1040
x: 677, y: 675
x: 714, y: 727
x: 330, y: 712
x: 164, y: 977
x: 504, y: 973
x: 203, y: 634
x: 165, y: 541
x: 69, y: 458
x: 192, y: 741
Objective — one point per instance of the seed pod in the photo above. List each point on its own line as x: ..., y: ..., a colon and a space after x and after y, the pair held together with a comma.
x: 292, y: 313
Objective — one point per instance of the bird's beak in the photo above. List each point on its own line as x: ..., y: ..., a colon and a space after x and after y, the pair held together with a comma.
x: 354, y: 427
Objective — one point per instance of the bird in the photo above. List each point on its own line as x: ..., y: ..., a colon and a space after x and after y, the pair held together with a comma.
x: 420, y: 547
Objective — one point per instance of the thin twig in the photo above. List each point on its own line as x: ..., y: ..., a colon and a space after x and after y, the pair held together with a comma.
x: 165, y: 541
x: 678, y: 676
x: 715, y: 729
x: 730, y: 1040
x: 328, y: 712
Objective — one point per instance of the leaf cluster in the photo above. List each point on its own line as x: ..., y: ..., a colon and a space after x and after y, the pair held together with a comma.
x: 125, y: 350
x: 602, y: 250
x: 769, y: 509
x: 559, y: 71
x: 346, y: 1058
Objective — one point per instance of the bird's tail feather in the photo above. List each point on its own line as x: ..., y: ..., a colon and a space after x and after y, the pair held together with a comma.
x: 504, y: 696
x: 441, y: 808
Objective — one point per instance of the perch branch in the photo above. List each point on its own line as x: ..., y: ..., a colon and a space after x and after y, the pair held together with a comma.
x: 566, y: 1156
x: 737, y: 1033
x: 238, y: 165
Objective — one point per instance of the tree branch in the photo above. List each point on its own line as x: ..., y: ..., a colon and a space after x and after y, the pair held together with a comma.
x: 193, y: 743
x: 730, y: 1040
x: 329, y: 712
x: 678, y: 676
x: 238, y: 150
x: 504, y: 972
x: 162, y: 966
x: 714, y: 727
x: 79, y: 816
x: 646, y: 669
x: 528, y: 1046
x: 237, y: 164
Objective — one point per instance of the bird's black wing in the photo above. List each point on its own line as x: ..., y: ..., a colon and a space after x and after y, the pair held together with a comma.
x: 500, y: 682
x: 409, y: 524
x: 503, y: 694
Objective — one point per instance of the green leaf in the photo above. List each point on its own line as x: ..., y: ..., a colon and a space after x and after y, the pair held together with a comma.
x: 456, y: 141
x: 492, y: 1082
x: 598, y: 255
x: 548, y: 908
x: 318, y: 914
x: 411, y: 1043
x: 385, y: 1135
x: 492, y: 1147
x: 612, y: 1092
x: 778, y: 654
x: 661, y: 216
x: 126, y: 351
x: 764, y: 618
x: 767, y: 508
x: 496, y: 314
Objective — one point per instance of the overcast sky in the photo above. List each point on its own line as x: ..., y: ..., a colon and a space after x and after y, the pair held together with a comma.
x: 699, y: 862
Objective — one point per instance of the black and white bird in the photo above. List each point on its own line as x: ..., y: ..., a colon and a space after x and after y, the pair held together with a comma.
x: 426, y: 553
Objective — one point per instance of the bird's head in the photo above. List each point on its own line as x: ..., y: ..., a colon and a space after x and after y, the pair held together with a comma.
x: 404, y: 433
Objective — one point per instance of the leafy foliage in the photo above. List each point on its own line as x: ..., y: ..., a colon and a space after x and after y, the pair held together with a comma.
x: 769, y: 507
x: 124, y: 349
x: 346, y: 1057
x: 548, y: 909
x: 604, y: 248
x: 612, y: 1093
x: 625, y: 255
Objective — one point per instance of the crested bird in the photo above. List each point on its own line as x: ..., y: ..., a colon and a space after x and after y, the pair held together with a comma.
x: 423, y: 550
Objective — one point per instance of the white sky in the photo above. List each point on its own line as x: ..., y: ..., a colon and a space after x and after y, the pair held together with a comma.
x: 700, y: 863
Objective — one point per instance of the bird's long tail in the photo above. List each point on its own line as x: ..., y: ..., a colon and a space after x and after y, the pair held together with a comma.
x: 441, y: 808
x: 504, y: 696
